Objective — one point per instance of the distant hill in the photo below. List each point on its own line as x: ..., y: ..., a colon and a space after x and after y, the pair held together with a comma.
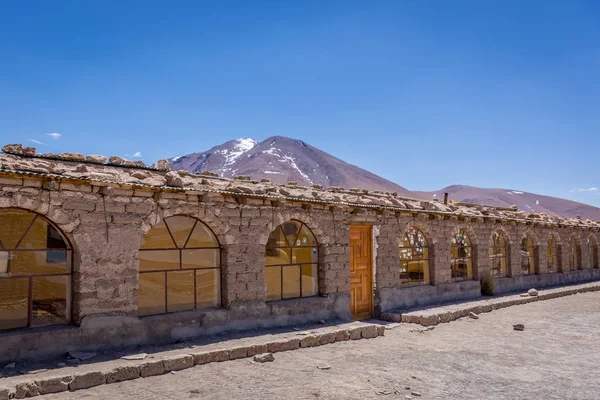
x: 282, y: 159
x: 523, y: 200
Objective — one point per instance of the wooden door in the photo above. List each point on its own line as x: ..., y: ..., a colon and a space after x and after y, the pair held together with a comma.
x: 361, y: 273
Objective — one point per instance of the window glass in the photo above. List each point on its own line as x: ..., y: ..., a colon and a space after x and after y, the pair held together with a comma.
x: 273, y: 283
x: 151, y: 294
x: 291, y: 281
x: 180, y: 291
x: 180, y: 228
x: 208, y: 288
x: 50, y: 299
x: 202, y: 237
x: 414, y: 258
x: 158, y: 238
x: 201, y: 258
x: 14, y: 225
x: 310, y: 283
x: 35, y: 271
x: 14, y: 294
x: 159, y: 260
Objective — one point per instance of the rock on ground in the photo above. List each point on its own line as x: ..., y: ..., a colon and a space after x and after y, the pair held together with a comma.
x: 266, y: 357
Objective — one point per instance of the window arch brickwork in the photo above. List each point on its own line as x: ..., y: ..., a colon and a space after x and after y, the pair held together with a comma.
x: 35, y: 271
x: 180, y: 267
x: 291, y: 262
x: 414, y: 259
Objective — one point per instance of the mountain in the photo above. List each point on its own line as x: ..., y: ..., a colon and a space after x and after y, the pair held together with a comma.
x: 282, y: 159
x: 525, y: 201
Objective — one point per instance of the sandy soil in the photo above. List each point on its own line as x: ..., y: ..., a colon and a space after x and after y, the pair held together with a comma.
x: 556, y: 357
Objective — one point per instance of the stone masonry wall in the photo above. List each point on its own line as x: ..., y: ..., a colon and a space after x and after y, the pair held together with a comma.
x: 106, y: 222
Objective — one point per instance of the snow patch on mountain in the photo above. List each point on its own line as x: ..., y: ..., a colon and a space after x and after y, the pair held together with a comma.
x: 241, y: 146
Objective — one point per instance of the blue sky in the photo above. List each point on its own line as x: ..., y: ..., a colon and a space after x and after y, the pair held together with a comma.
x: 424, y: 93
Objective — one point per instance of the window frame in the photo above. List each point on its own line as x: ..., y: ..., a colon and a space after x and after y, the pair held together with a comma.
x: 494, y: 247
x: 405, y: 261
x: 527, y: 261
x: 8, y: 275
x: 461, y: 233
x: 291, y: 263
x: 180, y: 251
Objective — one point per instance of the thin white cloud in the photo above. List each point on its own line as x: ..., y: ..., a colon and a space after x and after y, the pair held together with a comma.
x: 592, y: 189
x: 137, y: 154
x: 36, y: 141
x: 54, y: 135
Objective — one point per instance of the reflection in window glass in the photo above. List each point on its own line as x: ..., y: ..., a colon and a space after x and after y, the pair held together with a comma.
x: 35, y: 271
x: 575, y: 255
x: 461, y: 259
x: 593, y: 252
x: 527, y: 256
x: 180, y: 267
x: 552, y: 255
x: 498, y: 255
x: 414, y: 258
x: 291, y: 260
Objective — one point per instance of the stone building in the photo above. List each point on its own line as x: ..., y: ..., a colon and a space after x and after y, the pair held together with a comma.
x: 97, y: 253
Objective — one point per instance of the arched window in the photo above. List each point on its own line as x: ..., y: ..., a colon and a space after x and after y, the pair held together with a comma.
x: 291, y: 259
x: 593, y: 251
x: 498, y: 252
x: 461, y: 256
x: 35, y: 271
x: 552, y: 255
x: 180, y: 267
x: 575, y: 255
x: 527, y: 256
x: 414, y: 258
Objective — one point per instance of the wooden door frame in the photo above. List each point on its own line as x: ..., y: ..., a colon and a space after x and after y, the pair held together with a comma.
x: 371, y: 271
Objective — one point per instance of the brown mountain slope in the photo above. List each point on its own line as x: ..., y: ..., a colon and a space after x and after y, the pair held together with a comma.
x: 283, y: 159
x: 523, y: 200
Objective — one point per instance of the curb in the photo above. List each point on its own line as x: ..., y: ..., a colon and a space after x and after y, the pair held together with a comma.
x: 144, y: 369
x: 443, y: 314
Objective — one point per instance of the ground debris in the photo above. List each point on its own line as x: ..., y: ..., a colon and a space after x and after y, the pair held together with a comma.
x: 519, y: 327
x: 422, y: 330
x: 266, y: 357
x: 472, y: 315
x: 323, y: 366
x: 139, y: 356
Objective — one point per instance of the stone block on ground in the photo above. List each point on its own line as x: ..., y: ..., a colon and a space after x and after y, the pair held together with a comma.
x: 54, y: 385
x: 342, y: 336
x: 205, y: 357
x: 177, y: 363
x: 152, y: 369
x: 369, y: 332
x: 121, y: 374
x: 238, y: 352
x: 87, y: 380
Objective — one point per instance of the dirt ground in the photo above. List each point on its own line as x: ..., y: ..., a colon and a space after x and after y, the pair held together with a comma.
x: 556, y: 357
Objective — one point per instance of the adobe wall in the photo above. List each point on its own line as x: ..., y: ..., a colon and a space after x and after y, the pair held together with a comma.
x: 106, y: 219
